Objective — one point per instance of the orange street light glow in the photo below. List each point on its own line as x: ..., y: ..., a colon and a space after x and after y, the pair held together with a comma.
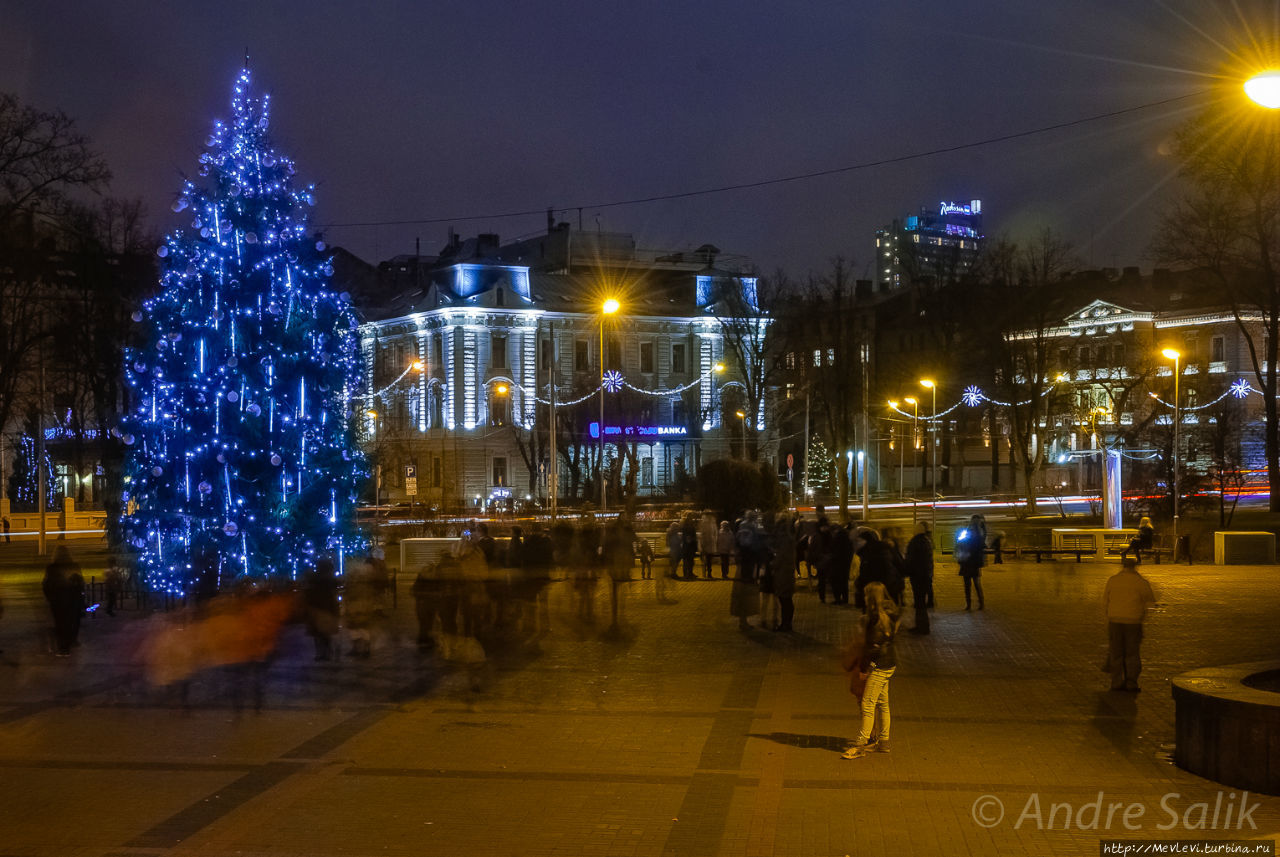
x: 1264, y: 89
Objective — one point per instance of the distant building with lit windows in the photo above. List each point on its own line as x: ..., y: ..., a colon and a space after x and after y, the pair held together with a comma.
x: 934, y: 245
x: 458, y: 371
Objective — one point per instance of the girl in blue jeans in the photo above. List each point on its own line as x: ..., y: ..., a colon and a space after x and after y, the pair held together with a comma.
x: 880, y: 626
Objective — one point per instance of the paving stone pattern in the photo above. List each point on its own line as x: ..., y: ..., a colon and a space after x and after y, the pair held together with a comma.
x: 672, y: 734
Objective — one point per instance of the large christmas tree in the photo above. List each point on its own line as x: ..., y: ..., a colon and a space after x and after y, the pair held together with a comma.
x: 241, y: 455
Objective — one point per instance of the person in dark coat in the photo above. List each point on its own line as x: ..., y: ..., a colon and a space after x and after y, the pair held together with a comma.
x: 783, y: 568
x: 644, y: 553
x: 320, y: 597
x: 839, y: 560
x: 817, y: 556
x: 971, y: 553
x: 619, y: 554
x: 877, y: 563
x: 63, y: 587
x: 1143, y: 541
x: 114, y: 578
x: 688, y: 545
x: 744, y: 598
x: 897, y: 582
x: 486, y: 544
x: 920, y: 570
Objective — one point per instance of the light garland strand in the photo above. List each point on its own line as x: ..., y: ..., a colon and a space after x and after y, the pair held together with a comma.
x: 1240, y: 390
x: 667, y: 393
x: 383, y: 391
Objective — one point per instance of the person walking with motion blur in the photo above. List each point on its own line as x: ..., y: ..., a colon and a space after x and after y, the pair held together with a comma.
x: 689, y: 545
x: 113, y: 578
x: 783, y: 569
x: 662, y: 583
x: 971, y: 553
x: 1126, y: 598
x: 877, y: 662
x: 920, y: 571
x: 320, y: 595
x: 63, y: 588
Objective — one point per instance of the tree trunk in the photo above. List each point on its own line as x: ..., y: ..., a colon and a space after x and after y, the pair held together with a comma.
x: 1031, y: 472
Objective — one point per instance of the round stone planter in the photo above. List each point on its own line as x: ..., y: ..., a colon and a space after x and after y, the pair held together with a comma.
x: 1228, y: 724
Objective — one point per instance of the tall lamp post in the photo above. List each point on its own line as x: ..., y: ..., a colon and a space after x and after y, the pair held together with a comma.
x: 742, y: 415
x: 1175, y: 356
x: 915, y: 430
x: 929, y: 384
x: 609, y: 307
x: 709, y: 420
x: 902, y: 452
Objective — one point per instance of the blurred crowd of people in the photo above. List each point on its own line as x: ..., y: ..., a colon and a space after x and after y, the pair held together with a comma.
x: 487, y: 591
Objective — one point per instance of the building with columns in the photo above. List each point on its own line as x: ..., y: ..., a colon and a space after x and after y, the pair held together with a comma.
x: 459, y: 373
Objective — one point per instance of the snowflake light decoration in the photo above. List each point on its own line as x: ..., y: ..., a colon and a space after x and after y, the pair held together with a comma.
x: 1241, y: 388
x: 613, y: 381
x: 972, y: 396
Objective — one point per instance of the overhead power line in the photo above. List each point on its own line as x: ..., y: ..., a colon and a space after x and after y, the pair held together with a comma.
x: 865, y: 165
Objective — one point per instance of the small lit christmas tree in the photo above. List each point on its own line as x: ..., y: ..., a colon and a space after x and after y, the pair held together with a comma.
x: 241, y: 456
x: 24, y: 484
x: 820, y: 470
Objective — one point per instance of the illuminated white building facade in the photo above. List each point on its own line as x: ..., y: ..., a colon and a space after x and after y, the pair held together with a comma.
x: 457, y: 389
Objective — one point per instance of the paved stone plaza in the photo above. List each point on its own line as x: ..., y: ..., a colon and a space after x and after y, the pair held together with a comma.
x: 675, y: 735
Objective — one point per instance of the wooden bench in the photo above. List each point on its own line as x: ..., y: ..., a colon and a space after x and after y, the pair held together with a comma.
x: 1078, y: 553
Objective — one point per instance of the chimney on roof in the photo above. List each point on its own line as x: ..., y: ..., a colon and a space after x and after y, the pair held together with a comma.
x: 486, y: 244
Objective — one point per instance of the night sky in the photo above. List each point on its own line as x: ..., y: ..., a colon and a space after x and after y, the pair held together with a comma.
x: 418, y: 110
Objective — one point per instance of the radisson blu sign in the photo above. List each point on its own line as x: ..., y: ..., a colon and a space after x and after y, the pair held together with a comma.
x: 974, y: 207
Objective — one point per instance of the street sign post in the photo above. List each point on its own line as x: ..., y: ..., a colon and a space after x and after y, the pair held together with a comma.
x: 411, y: 480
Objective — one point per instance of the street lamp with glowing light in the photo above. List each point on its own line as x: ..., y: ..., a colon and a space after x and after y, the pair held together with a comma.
x: 1264, y: 89
x: 902, y: 452
x: 929, y: 384
x: 915, y: 428
x: 609, y: 307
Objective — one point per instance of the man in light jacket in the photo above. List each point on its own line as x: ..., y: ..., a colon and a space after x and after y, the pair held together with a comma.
x: 1126, y: 599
